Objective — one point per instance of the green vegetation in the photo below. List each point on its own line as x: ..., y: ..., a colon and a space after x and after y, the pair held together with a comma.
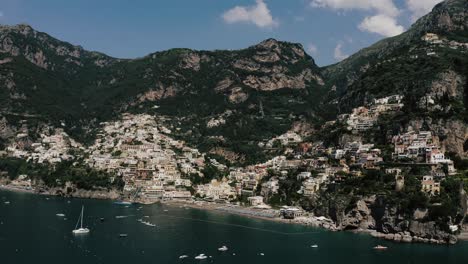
x: 57, y: 175
x: 288, y: 190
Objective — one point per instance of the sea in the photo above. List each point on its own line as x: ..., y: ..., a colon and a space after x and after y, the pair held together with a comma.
x: 38, y: 229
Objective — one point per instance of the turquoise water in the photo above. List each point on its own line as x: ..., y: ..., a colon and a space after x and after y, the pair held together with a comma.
x: 30, y: 232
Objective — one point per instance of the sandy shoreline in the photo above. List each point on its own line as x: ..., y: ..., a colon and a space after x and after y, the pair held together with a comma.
x: 219, y: 208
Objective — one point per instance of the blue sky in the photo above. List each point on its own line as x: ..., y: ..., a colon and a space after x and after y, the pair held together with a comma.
x: 329, y: 29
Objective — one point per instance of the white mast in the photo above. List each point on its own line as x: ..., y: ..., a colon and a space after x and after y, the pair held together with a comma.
x: 82, y: 211
x: 80, y: 230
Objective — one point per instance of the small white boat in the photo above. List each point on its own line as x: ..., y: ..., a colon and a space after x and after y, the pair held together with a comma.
x: 166, y: 210
x: 81, y: 230
x: 262, y: 254
x: 149, y: 224
x: 201, y: 256
x: 146, y: 223
x: 314, y: 246
x: 183, y: 256
x: 60, y: 215
x: 121, y: 216
x: 7, y: 202
x: 379, y: 247
x: 223, y: 248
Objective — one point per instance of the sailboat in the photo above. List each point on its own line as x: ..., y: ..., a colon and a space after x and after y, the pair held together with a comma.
x: 80, y: 230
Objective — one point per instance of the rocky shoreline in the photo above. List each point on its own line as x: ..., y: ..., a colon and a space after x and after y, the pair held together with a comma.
x: 309, y: 220
x: 406, y: 237
x: 103, y: 194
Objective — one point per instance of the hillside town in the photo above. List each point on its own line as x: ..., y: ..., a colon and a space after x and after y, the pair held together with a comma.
x: 143, y: 152
x: 363, y: 118
x: 139, y: 149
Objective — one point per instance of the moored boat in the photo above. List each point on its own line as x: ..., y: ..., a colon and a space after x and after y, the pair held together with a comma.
x: 81, y: 230
x: 223, y: 248
x: 379, y: 247
x: 201, y: 256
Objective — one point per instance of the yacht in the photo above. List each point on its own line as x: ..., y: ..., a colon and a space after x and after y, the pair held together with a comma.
x: 314, y: 246
x: 81, y: 230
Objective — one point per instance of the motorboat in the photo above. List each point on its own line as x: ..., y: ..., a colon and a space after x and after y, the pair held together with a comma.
x: 201, y: 256
x: 379, y: 247
x: 223, y: 248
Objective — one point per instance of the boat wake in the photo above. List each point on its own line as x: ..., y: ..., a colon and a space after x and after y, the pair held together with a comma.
x: 122, y: 216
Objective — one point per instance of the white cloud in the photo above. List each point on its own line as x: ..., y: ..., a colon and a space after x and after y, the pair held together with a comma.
x: 312, y: 49
x: 339, y: 54
x: 382, y: 25
x: 420, y: 8
x: 380, y: 6
x: 384, y: 20
x: 258, y: 15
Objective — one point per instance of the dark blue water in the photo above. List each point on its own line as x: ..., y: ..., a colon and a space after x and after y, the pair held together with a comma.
x: 30, y: 232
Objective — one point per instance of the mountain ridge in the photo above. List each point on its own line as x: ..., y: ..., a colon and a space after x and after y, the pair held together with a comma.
x: 273, y: 82
x: 440, y: 19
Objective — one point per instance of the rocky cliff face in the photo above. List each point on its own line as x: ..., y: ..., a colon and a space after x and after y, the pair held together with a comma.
x: 447, y: 18
x: 454, y: 133
x: 387, y: 222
